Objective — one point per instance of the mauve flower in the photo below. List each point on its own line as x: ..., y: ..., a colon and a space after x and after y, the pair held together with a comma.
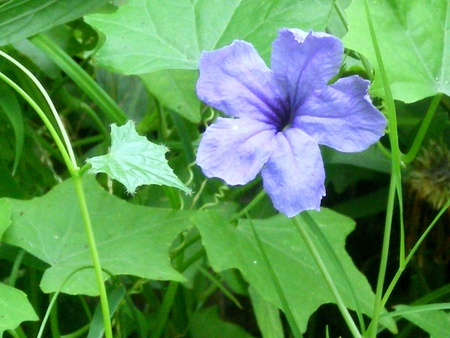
x: 281, y: 115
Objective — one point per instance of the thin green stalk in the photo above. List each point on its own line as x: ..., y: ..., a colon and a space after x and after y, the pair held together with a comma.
x: 415, y: 147
x: 94, y: 254
x: 329, y: 280
x: 163, y: 312
x: 395, y: 185
x: 67, y: 153
x: 80, y: 77
x: 62, y: 149
x: 287, y: 309
x: 50, y: 104
x: 408, y: 258
x: 336, y: 262
x: 249, y: 206
x: 15, y: 268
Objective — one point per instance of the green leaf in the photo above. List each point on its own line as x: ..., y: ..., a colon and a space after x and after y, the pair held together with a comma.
x: 174, y: 88
x: 134, y: 161
x: 235, y: 247
x: 14, y: 308
x: 414, y: 38
x: 144, y: 36
x: 11, y: 108
x: 206, y: 323
x: 131, y: 239
x: 267, y: 316
x: 436, y: 323
x: 20, y: 19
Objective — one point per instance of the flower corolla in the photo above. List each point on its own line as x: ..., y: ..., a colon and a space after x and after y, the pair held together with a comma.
x: 280, y: 116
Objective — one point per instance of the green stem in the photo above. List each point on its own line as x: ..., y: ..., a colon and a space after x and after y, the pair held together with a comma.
x: 64, y: 153
x: 94, y: 254
x: 67, y: 153
x: 336, y: 262
x: 408, y: 258
x: 395, y: 185
x: 166, y: 305
x: 415, y: 147
x: 287, y: 309
x: 50, y: 104
x: 329, y: 280
x: 80, y: 77
x: 249, y: 206
x: 15, y: 268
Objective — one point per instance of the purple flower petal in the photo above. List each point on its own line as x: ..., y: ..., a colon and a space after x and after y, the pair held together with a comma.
x: 236, y: 81
x: 235, y: 149
x: 294, y: 175
x: 303, y: 62
x: 342, y: 116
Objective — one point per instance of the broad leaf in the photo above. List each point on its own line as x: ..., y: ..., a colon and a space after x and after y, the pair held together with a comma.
x: 14, y: 308
x: 20, y: 19
x: 414, y: 38
x: 436, y: 323
x: 5, y: 216
x: 135, y: 161
x: 131, y: 239
x: 144, y: 36
x: 300, y: 278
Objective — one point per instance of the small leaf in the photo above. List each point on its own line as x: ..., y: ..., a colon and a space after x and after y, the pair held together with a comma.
x: 436, y: 323
x: 14, y: 308
x: 134, y: 161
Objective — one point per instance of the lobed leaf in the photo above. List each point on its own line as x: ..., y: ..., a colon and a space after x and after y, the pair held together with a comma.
x: 235, y: 247
x: 131, y: 239
x: 14, y: 308
x: 135, y: 161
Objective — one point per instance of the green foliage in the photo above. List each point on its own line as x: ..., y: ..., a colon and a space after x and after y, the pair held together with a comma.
x: 414, y: 42
x: 173, y: 264
x: 235, y: 247
x: 135, y: 161
x: 163, y: 41
x: 132, y: 240
x: 21, y: 19
x: 14, y: 308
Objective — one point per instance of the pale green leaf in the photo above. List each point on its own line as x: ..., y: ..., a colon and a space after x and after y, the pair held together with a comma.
x: 144, y: 36
x: 299, y: 276
x: 20, y: 19
x: 414, y: 38
x: 14, y: 308
x: 131, y: 239
x: 436, y: 323
x: 134, y: 161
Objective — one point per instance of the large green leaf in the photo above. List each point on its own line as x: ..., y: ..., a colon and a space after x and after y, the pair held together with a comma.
x: 135, y: 161
x: 300, y: 278
x: 414, y: 38
x: 436, y: 323
x: 20, y: 19
x: 14, y: 308
x: 131, y: 239
x: 144, y: 36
